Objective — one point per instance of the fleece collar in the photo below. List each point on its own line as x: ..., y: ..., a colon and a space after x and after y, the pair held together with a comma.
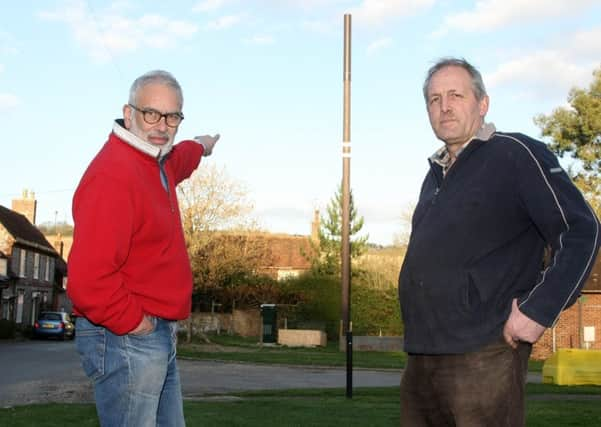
x: 138, y: 143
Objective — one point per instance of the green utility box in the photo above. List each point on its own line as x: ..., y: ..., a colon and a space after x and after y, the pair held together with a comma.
x: 269, y: 315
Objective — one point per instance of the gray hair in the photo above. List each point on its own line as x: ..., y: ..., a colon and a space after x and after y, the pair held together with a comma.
x: 477, y: 83
x: 155, y: 76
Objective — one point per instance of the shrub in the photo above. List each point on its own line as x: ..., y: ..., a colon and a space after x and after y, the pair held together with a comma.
x: 374, y: 310
x: 7, y: 329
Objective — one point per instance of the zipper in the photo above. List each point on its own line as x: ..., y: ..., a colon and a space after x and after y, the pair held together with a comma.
x: 165, y: 182
x: 439, y: 182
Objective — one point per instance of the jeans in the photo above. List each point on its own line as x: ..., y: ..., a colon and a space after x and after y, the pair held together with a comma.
x: 136, y: 381
x: 484, y: 388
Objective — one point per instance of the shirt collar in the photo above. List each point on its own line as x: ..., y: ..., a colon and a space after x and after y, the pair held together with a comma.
x: 442, y: 156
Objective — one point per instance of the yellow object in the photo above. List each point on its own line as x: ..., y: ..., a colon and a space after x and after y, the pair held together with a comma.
x: 569, y: 366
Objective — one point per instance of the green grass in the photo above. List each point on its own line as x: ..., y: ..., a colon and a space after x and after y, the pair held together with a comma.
x: 564, y: 413
x: 317, y: 407
x: 373, y: 360
x: 249, y: 350
x: 533, y: 389
x: 535, y: 365
x: 49, y: 415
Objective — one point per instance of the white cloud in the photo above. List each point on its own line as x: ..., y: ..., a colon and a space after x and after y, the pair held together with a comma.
x: 107, y: 33
x: 542, y: 74
x: 585, y: 44
x: 493, y: 14
x: 260, y: 40
x: 1, y: 68
x: 379, y: 44
x: 224, y: 22
x: 209, y: 5
x: 8, y: 101
x: 374, y: 12
x: 565, y: 63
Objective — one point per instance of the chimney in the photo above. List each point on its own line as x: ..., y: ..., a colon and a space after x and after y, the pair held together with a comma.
x: 315, y: 226
x: 26, y: 206
x: 59, y: 245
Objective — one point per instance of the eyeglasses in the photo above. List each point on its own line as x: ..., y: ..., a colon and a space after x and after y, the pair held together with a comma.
x: 152, y: 116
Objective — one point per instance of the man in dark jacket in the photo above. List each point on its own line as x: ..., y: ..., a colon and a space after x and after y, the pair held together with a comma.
x: 475, y: 292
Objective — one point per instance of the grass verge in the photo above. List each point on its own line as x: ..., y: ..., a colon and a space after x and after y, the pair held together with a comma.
x: 239, y: 349
x: 320, y: 407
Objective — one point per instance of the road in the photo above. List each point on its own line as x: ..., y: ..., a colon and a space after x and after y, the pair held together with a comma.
x: 50, y: 371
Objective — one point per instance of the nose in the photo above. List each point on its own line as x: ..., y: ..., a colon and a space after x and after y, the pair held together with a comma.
x: 444, y: 104
x: 162, y: 124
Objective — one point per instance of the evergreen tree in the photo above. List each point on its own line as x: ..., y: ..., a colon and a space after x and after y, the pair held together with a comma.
x: 328, y: 260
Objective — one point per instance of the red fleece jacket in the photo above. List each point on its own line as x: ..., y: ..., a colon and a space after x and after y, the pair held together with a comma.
x: 129, y: 255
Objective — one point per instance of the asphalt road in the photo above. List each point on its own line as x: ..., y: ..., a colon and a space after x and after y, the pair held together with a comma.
x: 50, y: 371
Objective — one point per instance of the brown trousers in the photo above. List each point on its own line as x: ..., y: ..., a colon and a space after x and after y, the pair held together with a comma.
x: 484, y: 388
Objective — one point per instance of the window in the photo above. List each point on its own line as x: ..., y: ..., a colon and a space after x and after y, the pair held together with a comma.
x: 3, y: 267
x: 51, y: 269
x: 36, y: 266
x: 22, y: 259
x: 29, y: 264
x: 47, y: 269
x: 43, y: 267
x: 20, y: 301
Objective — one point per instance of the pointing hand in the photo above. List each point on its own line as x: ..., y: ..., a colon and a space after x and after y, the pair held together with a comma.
x: 208, y: 142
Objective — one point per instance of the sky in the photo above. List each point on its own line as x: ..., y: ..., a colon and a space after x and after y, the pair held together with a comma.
x: 268, y: 76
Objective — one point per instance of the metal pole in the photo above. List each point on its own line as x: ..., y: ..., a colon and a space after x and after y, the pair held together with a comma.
x: 345, y: 250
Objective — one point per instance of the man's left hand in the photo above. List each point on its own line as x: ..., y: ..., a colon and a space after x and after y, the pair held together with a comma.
x: 520, y: 327
x: 208, y: 142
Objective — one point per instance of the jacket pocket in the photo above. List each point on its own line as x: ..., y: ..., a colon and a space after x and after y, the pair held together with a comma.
x: 90, y: 341
x: 471, y: 294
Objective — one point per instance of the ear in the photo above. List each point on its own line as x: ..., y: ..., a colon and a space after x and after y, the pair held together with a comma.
x: 484, y: 106
x: 127, y: 116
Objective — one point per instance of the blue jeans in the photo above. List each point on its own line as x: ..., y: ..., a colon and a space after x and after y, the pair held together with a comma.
x: 136, y: 381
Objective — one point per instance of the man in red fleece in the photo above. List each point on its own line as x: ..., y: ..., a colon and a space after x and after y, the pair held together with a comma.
x: 129, y: 273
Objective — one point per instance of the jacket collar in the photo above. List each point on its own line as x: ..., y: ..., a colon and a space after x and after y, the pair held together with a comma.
x: 442, y: 156
x: 137, y: 142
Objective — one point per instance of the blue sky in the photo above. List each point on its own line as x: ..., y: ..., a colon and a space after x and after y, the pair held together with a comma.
x: 267, y: 75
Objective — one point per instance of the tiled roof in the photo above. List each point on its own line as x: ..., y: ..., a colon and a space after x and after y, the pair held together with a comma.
x: 287, y: 251
x: 24, y: 231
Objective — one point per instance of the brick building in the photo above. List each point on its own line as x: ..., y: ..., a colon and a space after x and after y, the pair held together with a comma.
x: 585, y: 314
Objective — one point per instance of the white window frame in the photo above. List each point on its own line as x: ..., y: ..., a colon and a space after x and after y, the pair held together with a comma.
x: 36, y: 265
x: 22, y: 261
x: 47, y: 272
x: 20, y: 302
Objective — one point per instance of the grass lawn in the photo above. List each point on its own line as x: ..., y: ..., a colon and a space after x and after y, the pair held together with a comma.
x: 241, y: 349
x: 323, y: 407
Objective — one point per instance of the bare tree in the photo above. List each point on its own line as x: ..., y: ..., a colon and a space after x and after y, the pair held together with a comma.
x: 213, y: 205
x: 401, y: 238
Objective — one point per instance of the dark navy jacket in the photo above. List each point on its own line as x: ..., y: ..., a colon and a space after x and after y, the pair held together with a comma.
x: 477, y: 242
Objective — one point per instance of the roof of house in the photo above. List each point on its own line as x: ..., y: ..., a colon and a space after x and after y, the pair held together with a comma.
x: 22, y: 230
x: 285, y: 251
x: 27, y: 234
x: 289, y: 251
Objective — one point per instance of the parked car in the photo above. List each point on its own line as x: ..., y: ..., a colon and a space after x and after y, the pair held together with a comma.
x: 54, y: 324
